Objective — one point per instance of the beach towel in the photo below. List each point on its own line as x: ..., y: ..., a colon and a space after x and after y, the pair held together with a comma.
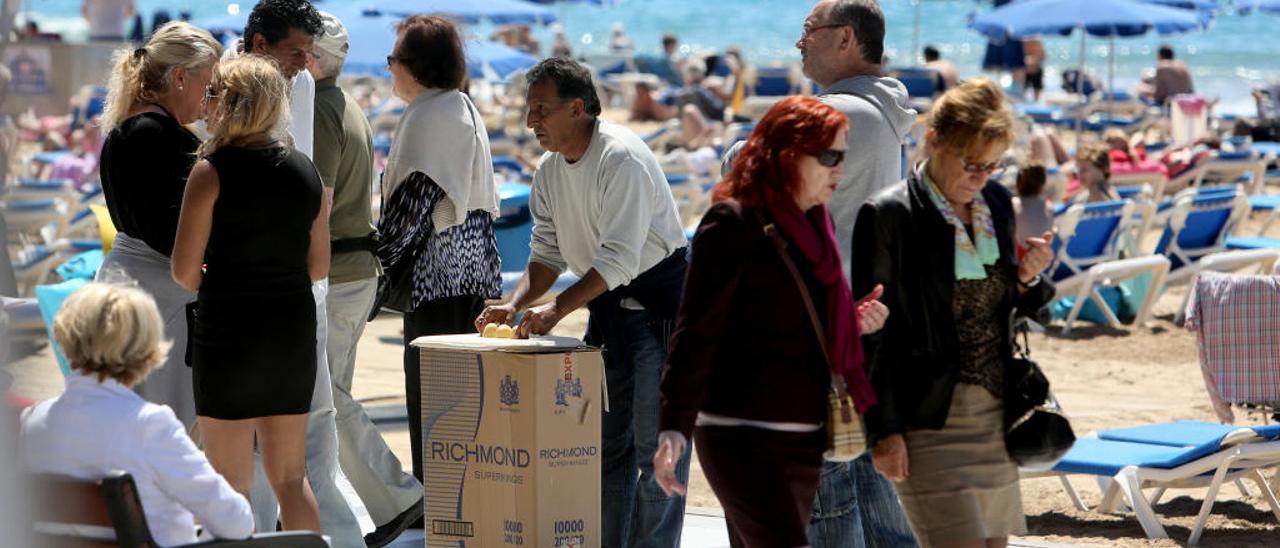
x: 1237, y: 323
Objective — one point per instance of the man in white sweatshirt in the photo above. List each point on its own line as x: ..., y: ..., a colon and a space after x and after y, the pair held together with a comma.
x: 602, y: 209
x: 842, y: 46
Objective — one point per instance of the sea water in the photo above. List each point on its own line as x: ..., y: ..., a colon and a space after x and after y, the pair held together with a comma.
x: 1237, y: 52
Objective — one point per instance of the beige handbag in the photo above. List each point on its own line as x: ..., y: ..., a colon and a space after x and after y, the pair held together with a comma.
x: 845, y: 439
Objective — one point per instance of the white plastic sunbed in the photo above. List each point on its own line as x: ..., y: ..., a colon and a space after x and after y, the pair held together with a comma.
x: 1183, y: 454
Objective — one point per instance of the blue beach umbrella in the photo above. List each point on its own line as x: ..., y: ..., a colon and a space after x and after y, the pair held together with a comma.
x: 492, y: 60
x: 1265, y: 6
x: 593, y: 2
x: 1201, y: 5
x: 226, y: 22
x: 1103, y: 18
x: 499, y: 12
x: 372, y: 37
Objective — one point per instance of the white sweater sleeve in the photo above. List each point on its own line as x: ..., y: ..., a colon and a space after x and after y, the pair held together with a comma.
x: 544, y: 244
x: 626, y: 211
x: 183, y: 473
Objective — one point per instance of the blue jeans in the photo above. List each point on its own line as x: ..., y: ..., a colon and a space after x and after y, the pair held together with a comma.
x: 635, y: 511
x: 857, y: 507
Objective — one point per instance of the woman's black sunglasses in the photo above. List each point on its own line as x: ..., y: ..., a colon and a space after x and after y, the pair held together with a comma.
x: 831, y: 157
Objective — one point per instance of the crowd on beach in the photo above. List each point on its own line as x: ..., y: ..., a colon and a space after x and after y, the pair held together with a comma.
x: 848, y: 255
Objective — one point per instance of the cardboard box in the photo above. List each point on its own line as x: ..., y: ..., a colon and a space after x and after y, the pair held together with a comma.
x: 511, y: 441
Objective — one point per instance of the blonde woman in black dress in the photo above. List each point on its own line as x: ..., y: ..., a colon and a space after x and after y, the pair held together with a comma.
x: 252, y: 236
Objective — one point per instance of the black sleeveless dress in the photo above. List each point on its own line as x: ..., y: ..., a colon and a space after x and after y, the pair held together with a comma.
x: 254, y: 342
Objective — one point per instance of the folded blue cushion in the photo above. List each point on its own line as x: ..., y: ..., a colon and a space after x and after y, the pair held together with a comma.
x: 1106, y: 458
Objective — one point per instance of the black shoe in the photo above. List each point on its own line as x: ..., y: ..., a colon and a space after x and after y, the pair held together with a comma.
x: 391, y: 530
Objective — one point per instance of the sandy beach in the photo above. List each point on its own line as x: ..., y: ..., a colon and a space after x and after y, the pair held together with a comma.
x: 1104, y: 378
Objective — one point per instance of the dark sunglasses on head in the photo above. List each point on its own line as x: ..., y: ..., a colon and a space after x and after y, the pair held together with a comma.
x: 831, y: 157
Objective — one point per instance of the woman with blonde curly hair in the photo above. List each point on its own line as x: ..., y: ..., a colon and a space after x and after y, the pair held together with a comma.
x: 155, y: 91
x: 252, y: 237
x: 113, y: 338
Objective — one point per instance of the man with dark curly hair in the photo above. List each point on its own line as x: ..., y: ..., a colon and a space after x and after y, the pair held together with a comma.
x: 285, y: 31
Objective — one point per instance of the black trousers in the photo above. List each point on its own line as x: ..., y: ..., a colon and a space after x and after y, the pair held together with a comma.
x: 766, y: 481
x: 446, y: 316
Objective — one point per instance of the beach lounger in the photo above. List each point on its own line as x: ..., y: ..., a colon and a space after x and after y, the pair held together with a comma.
x: 769, y: 85
x: 37, y: 189
x: 923, y: 84
x: 1197, y: 227
x: 34, y: 216
x: 514, y: 226
x: 1086, y: 259
x: 23, y: 317
x: 1230, y: 166
x: 1183, y: 454
x: 1196, y: 235
x: 33, y: 264
x: 38, y: 162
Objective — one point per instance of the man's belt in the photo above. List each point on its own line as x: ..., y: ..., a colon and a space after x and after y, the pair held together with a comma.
x: 368, y: 243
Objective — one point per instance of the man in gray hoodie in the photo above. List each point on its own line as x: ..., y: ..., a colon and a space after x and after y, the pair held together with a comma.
x: 841, y: 47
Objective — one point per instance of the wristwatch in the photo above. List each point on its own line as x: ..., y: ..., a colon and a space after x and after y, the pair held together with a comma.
x: 1028, y: 285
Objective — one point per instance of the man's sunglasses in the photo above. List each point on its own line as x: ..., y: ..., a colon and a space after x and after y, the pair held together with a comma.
x: 831, y: 157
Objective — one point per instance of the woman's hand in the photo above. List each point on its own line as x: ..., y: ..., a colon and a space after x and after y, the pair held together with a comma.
x: 890, y: 457
x: 871, y: 312
x: 671, y: 446
x: 1037, y: 258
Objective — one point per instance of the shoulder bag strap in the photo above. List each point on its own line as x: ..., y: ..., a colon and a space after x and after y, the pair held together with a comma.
x: 837, y: 380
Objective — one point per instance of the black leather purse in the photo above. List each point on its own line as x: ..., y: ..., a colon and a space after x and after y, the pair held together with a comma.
x: 1037, y: 432
x: 395, y: 287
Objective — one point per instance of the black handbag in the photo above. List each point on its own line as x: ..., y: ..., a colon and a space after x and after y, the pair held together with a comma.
x: 395, y: 287
x: 1037, y: 432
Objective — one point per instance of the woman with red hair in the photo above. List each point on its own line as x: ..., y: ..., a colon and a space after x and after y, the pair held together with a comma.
x: 756, y: 409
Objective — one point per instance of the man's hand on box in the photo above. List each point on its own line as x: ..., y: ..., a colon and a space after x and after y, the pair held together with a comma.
x: 538, y: 321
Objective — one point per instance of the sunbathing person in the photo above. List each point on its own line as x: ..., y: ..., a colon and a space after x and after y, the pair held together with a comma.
x: 647, y: 106
x: 1093, y: 176
x: 113, y: 338
x: 1045, y: 147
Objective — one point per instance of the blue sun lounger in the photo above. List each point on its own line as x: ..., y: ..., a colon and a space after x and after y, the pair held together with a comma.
x: 1182, y: 454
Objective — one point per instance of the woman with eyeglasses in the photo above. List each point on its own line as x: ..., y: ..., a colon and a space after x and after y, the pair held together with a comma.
x: 941, y: 243
x: 155, y: 92
x: 439, y: 201
x: 748, y: 374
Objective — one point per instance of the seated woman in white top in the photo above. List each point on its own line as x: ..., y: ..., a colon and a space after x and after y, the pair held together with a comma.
x: 111, y: 335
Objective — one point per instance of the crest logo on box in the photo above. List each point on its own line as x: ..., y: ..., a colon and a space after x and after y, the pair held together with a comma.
x: 508, y: 391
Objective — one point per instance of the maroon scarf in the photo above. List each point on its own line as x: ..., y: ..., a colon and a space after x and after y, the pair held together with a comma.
x: 813, y: 234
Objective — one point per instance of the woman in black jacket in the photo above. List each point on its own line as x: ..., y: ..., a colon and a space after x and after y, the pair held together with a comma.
x: 942, y: 245
x: 747, y: 377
